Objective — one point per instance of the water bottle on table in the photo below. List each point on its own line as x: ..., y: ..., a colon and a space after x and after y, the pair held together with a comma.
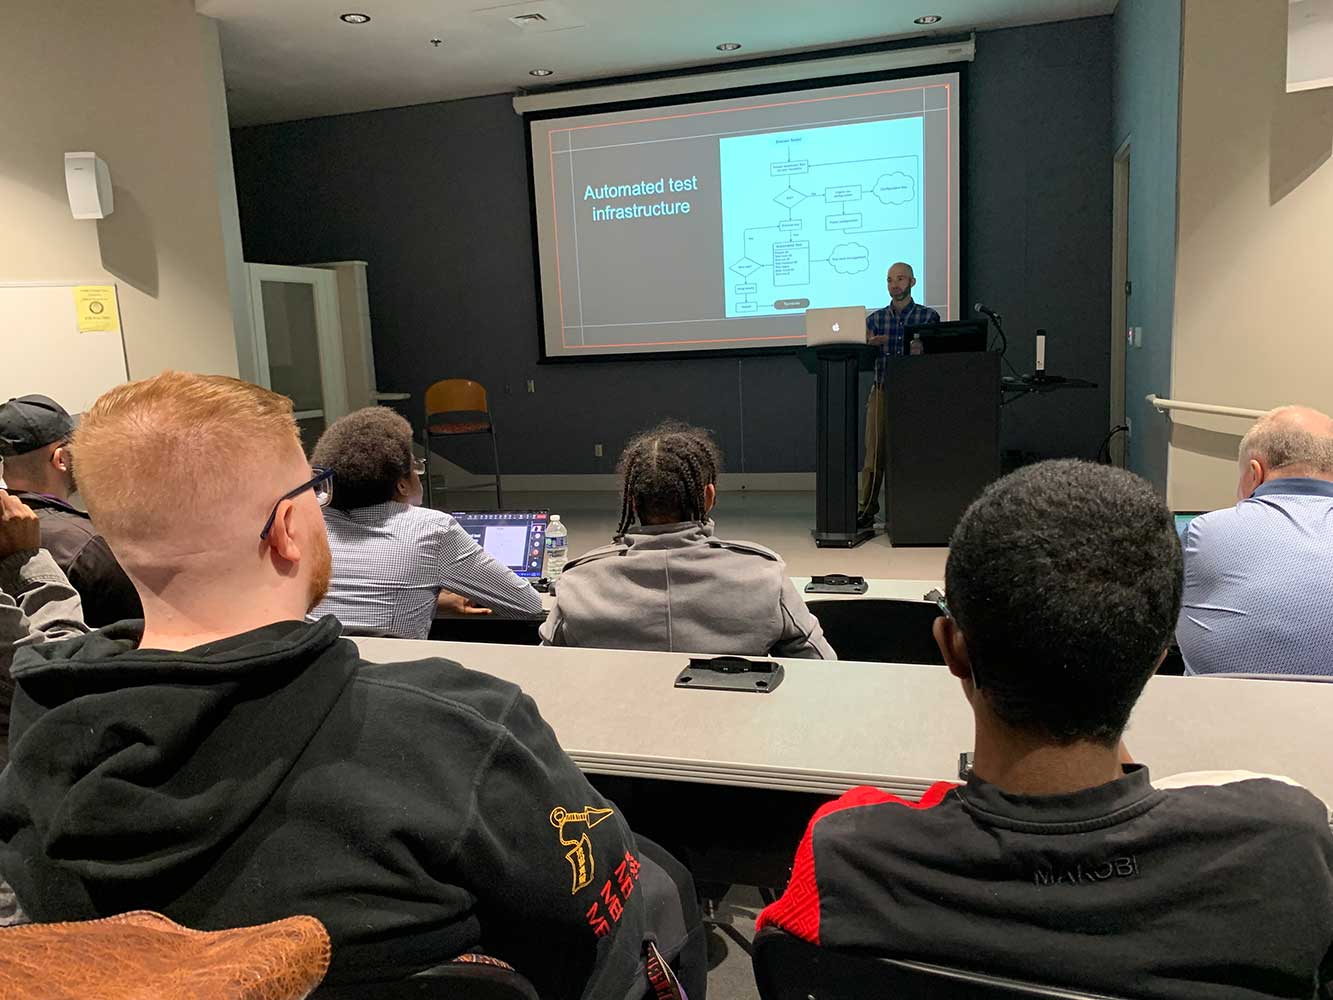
x: 557, y: 548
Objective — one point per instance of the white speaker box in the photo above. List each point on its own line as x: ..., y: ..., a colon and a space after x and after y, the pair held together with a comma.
x: 88, y: 184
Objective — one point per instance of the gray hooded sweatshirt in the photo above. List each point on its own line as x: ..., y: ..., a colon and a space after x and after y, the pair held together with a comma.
x: 676, y: 587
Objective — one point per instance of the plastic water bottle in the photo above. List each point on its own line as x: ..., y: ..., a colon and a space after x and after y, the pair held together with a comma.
x: 557, y: 548
x: 916, y: 347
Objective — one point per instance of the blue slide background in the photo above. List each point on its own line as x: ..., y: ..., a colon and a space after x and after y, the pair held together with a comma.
x: 820, y: 214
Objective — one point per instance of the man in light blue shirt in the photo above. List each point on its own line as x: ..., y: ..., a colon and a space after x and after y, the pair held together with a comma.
x: 1259, y: 576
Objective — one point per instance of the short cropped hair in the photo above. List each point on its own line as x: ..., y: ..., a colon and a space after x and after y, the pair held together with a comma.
x: 664, y: 472
x: 1065, y: 578
x: 173, y: 450
x: 369, y: 451
x: 1284, y: 444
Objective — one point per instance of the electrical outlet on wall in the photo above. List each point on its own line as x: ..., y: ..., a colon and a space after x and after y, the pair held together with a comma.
x: 532, y: 386
x: 1129, y: 428
x: 597, y: 450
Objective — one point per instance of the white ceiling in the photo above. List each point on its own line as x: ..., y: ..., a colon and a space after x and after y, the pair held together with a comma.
x: 288, y: 59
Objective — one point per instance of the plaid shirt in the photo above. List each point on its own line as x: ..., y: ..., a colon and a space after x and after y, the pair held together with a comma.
x: 886, y: 321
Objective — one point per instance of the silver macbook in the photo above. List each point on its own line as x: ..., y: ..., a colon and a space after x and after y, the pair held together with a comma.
x: 843, y: 325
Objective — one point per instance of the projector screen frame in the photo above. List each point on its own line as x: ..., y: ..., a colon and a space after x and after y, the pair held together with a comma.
x: 730, y: 93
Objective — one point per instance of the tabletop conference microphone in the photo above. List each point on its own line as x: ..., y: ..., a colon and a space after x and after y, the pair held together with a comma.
x: 986, y: 310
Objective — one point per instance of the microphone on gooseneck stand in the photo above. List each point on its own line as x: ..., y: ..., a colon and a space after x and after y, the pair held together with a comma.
x: 996, y: 318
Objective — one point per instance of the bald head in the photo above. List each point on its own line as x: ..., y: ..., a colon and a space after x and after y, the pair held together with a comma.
x: 901, y: 281
x: 1291, y: 441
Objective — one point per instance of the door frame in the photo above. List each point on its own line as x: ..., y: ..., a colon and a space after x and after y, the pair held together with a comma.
x: 328, y: 332
x: 1120, y: 166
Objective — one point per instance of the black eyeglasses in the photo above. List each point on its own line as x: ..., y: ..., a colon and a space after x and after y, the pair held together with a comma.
x: 937, y: 598
x: 939, y: 601
x: 321, y: 482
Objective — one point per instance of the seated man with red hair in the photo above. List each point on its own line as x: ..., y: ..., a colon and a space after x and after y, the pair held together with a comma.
x: 226, y: 763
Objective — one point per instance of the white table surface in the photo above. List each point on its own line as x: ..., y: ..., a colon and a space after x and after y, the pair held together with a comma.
x: 832, y: 726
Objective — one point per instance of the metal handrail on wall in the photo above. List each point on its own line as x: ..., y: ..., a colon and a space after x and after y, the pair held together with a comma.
x: 1163, y: 405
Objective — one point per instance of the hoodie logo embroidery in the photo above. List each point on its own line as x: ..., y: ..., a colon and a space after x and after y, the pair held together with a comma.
x: 579, y: 854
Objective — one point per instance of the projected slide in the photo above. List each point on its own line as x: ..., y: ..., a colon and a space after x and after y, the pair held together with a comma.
x: 715, y: 225
x: 816, y: 214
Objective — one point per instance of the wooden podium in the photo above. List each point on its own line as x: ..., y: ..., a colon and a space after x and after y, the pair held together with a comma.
x: 943, y: 441
x: 838, y: 444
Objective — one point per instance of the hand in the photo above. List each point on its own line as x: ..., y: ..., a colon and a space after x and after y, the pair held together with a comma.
x: 20, y: 530
x: 878, y: 341
x: 457, y: 604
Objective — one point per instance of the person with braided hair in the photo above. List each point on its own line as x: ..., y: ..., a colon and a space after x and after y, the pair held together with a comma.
x: 667, y: 582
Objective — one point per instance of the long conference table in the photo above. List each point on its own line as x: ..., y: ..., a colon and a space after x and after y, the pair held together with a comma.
x: 728, y: 779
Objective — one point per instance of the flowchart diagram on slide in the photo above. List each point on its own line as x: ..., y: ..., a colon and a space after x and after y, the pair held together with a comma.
x: 814, y: 217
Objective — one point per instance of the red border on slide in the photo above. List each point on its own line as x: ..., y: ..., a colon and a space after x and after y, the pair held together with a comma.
x: 555, y: 225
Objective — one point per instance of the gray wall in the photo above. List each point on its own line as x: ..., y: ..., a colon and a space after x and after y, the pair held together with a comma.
x: 1146, y: 112
x: 435, y: 198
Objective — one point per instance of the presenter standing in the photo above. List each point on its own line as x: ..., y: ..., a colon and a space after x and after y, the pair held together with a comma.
x: 884, y: 329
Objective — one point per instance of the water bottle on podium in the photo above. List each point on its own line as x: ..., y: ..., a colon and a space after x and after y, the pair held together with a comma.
x: 916, y: 347
x: 557, y: 548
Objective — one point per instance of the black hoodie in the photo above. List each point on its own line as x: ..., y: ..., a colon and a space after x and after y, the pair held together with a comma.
x: 418, y: 809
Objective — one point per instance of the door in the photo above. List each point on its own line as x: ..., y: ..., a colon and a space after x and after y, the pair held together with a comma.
x: 298, y: 342
x: 1121, y: 289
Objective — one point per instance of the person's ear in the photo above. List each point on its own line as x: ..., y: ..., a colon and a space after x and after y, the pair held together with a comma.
x: 60, y: 457
x: 710, y: 498
x: 1251, y: 478
x: 953, y: 647
x: 282, y: 536
x: 404, y: 490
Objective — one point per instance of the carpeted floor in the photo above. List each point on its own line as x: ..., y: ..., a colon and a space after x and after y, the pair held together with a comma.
x: 730, y: 975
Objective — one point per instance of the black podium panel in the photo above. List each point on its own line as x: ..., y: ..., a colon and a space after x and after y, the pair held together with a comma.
x: 943, y: 437
x: 838, y: 446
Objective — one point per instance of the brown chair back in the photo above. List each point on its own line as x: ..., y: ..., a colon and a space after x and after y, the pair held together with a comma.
x: 453, y: 395
x: 142, y: 955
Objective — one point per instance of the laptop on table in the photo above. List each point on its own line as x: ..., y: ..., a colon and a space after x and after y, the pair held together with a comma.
x: 515, y: 538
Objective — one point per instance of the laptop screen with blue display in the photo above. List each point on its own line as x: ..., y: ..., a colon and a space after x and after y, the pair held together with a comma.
x: 515, y: 538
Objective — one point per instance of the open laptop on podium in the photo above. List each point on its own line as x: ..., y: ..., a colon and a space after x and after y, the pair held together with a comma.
x: 840, y: 325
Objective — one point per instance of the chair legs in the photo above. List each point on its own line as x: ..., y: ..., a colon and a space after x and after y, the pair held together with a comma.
x: 429, y: 486
x: 495, y: 450
x: 429, y: 491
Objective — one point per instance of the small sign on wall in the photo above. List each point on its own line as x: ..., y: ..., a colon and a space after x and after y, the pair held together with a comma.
x: 96, y: 309
x: 1309, y: 44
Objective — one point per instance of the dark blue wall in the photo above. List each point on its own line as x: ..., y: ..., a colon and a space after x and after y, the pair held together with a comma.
x: 435, y: 198
x: 1146, y: 114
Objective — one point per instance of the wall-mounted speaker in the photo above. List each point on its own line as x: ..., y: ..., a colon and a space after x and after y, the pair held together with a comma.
x: 88, y: 184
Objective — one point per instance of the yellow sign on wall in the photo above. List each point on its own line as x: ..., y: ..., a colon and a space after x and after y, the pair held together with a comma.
x: 96, y: 308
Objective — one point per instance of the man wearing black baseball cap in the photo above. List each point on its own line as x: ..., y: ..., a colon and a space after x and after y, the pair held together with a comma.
x: 39, y: 470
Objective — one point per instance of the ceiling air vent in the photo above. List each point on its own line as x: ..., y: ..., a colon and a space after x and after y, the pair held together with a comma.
x: 532, y: 19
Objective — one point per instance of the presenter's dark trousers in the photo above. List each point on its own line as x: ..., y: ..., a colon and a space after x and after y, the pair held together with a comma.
x: 876, y: 455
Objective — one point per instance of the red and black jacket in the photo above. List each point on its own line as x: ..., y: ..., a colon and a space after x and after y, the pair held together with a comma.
x: 1204, y: 886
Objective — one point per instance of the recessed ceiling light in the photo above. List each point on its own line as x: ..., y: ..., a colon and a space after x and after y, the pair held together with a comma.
x: 540, y: 72
x: 928, y: 19
x: 437, y: 42
x: 354, y: 18
x: 729, y: 46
